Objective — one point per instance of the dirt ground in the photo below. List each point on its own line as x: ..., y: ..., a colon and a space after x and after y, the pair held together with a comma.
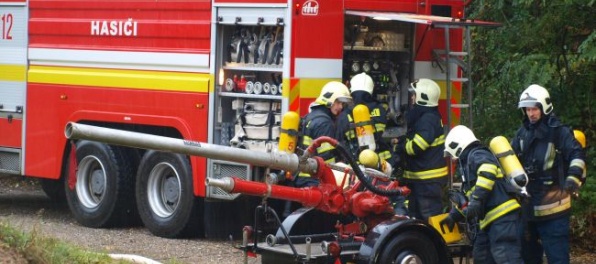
x: 24, y: 206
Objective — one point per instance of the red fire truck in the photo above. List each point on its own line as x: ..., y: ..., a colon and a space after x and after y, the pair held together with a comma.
x: 216, y: 71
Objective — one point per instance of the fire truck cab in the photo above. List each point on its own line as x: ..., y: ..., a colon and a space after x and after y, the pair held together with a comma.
x: 216, y: 71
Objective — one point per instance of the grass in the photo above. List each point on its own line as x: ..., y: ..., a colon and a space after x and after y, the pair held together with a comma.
x: 38, y: 249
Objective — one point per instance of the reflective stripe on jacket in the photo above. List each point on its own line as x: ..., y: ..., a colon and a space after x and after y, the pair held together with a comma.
x: 424, y: 146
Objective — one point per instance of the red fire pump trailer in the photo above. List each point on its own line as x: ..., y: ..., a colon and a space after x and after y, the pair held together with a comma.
x: 339, y: 223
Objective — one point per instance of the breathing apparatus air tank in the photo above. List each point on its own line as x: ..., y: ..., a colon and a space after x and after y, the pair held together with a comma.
x: 514, y: 171
x: 288, y: 138
x: 364, y: 128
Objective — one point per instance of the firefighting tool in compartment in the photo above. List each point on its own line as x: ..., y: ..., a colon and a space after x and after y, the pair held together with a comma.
x: 230, y: 85
x: 514, y: 171
x: 236, y: 84
x: 365, y: 204
x: 258, y: 88
x: 249, y: 87
x: 364, y: 129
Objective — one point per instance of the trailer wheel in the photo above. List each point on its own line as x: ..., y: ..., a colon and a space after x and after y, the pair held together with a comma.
x: 103, y: 191
x: 409, y: 247
x: 165, y: 197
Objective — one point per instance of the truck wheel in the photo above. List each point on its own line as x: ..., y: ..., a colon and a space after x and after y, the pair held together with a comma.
x: 104, y: 186
x: 409, y: 247
x: 165, y: 197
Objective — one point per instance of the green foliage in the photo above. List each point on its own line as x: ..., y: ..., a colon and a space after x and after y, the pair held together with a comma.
x: 48, y: 250
x: 546, y: 42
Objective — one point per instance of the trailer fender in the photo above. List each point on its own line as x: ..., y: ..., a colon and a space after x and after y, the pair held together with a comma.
x: 382, y: 234
x: 308, y: 220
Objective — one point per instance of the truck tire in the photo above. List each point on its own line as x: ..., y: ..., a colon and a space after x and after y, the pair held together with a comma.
x: 165, y: 198
x: 409, y: 247
x: 104, y: 190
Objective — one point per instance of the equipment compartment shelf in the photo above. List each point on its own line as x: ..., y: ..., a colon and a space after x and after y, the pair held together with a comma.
x: 251, y: 96
x: 252, y: 67
x: 349, y: 48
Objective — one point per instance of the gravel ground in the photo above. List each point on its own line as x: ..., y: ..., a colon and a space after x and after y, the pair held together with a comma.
x: 25, y: 207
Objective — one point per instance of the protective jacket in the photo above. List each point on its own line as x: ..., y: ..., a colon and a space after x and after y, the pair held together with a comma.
x: 319, y: 122
x: 549, y: 153
x: 422, y: 150
x: 378, y: 116
x: 486, y: 186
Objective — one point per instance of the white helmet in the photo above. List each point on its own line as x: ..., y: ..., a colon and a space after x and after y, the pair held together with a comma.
x: 536, y: 96
x: 427, y: 92
x: 334, y: 91
x: 362, y: 82
x: 458, y: 139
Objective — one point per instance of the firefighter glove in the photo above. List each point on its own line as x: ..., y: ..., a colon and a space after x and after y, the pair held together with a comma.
x: 572, y: 184
x: 473, y: 209
x: 449, y: 222
x: 457, y: 198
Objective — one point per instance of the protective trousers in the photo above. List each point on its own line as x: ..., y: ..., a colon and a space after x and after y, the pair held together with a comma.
x: 425, y: 199
x: 550, y: 237
x: 499, y: 242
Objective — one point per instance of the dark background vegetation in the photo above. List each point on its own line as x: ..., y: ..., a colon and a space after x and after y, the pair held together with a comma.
x: 551, y: 43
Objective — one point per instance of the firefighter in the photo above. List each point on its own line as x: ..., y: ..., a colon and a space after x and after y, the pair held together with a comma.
x: 491, y: 199
x: 421, y: 152
x: 321, y: 121
x: 555, y: 163
x: 361, y: 88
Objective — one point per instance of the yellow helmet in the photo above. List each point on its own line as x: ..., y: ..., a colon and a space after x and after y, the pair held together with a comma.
x: 362, y: 82
x: 369, y: 158
x: 427, y: 92
x: 333, y: 91
x: 580, y: 137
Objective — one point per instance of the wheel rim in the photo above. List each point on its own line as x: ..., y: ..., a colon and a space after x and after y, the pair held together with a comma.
x: 163, y: 189
x: 408, y: 258
x: 91, y: 182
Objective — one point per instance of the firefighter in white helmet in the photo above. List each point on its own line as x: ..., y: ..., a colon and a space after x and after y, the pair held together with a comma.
x: 361, y: 88
x: 321, y: 121
x: 420, y: 152
x: 554, y: 162
x: 492, y: 202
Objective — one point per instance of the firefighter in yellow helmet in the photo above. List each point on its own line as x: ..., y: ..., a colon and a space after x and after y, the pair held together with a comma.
x: 321, y: 121
x: 491, y: 199
x: 555, y: 163
x: 421, y: 152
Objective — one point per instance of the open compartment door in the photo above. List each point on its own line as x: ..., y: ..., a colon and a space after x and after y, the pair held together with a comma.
x: 423, y: 19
